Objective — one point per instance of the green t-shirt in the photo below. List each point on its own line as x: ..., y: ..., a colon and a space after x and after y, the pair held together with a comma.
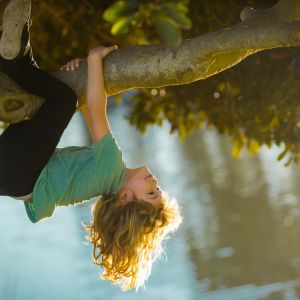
x: 75, y: 174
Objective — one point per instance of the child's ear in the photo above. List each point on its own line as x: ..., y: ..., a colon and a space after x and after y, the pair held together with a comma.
x: 125, y: 195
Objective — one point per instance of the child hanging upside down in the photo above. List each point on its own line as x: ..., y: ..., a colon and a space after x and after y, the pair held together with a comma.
x: 132, y: 215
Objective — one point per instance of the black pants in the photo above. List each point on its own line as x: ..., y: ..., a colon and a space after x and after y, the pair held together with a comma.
x: 25, y: 147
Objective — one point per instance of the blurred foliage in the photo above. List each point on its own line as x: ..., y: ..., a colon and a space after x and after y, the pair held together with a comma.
x: 255, y: 102
x: 167, y: 18
x: 64, y: 29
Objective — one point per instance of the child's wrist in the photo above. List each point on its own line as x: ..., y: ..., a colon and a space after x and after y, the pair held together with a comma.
x: 94, y: 56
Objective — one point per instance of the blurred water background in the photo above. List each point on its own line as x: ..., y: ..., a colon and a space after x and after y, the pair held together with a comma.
x: 239, y: 238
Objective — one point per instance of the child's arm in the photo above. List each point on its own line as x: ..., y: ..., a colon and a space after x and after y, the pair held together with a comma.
x: 71, y: 66
x: 96, y: 95
x: 84, y: 111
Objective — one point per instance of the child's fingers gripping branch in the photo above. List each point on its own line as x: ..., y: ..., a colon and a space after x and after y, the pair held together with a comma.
x: 107, y: 50
x: 99, y: 51
x: 102, y: 51
x: 71, y: 65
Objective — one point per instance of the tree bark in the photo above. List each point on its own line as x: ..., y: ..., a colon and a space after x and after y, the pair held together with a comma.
x: 165, y: 65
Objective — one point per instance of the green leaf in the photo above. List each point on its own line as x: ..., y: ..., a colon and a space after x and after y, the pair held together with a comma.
x: 282, y: 154
x: 237, y: 148
x: 119, y: 9
x: 182, y: 7
x: 272, y: 124
x: 181, y: 132
x: 253, y: 147
x: 167, y: 29
x: 172, y: 10
x: 269, y: 144
x: 288, y: 162
x: 121, y: 26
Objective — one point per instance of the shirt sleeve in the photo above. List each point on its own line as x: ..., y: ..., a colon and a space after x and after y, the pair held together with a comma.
x: 107, y: 138
x: 109, y: 157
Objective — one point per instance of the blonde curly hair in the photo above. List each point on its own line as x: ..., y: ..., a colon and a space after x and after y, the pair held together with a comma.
x: 127, y: 239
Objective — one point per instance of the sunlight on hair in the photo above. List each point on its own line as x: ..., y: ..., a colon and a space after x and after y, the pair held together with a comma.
x: 127, y: 239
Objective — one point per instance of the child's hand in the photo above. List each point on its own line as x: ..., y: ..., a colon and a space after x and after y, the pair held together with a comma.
x: 71, y: 65
x: 101, y: 51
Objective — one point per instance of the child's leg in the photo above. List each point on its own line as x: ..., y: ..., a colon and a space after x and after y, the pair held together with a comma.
x: 25, y: 147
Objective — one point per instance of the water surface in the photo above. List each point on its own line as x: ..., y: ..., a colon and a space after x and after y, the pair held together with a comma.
x: 239, y: 238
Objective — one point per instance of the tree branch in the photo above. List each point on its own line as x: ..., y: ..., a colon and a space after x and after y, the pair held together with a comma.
x: 196, y: 58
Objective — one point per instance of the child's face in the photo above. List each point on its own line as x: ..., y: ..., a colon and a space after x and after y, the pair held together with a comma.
x: 144, y: 186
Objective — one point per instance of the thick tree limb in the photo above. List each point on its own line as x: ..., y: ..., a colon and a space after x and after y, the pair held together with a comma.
x: 195, y: 59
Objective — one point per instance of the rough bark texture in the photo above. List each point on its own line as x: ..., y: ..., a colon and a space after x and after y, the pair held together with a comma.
x: 15, y: 103
x: 163, y: 65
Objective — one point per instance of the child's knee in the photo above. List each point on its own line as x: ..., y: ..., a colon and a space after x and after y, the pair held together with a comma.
x: 71, y: 95
x: 68, y: 95
x: 63, y: 91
